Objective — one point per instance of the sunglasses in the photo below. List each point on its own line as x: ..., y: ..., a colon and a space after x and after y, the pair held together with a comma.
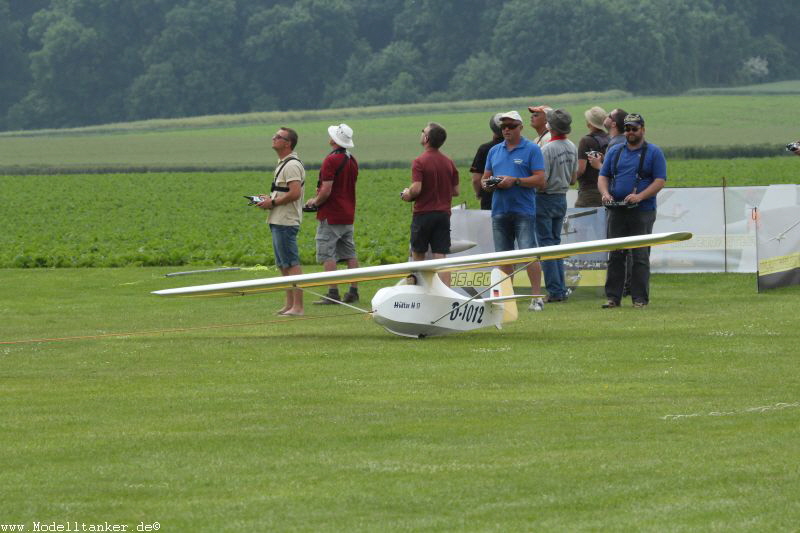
x: 276, y: 137
x: 634, y: 129
x: 509, y: 126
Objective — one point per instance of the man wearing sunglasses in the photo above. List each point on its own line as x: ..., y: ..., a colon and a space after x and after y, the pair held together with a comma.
x: 539, y: 123
x: 285, y: 205
x: 632, y: 175
x: 517, y: 166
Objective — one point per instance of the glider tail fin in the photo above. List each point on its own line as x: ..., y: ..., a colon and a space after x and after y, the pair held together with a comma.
x: 505, y: 288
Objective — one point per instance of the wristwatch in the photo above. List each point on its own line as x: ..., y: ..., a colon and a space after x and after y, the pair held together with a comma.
x: 517, y: 181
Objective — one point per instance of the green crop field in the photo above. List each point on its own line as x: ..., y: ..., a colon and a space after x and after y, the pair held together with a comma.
x: 683, y: 417
x: 201, y: 218
x: 387, y: 136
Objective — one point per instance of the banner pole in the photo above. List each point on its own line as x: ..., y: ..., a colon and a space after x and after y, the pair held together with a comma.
x: 754, y: 217
x: 725, y: 221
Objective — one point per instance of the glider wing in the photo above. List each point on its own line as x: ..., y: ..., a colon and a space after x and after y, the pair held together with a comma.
x: 401, y: 270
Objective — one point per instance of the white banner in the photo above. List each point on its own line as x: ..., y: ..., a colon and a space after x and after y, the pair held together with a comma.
x: 778, y: 241
x: 721, y: 220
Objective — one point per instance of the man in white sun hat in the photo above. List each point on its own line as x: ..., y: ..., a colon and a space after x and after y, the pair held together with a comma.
x: 335, y: 203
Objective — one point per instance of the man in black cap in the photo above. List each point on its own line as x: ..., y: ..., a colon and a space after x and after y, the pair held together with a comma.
x: 632, y: 174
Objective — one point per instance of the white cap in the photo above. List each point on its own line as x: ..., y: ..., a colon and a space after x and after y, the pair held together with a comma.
x: 342, y: 135
x: 513, y: 115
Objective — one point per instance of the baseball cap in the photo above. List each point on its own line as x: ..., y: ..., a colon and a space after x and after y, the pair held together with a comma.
x: 539, y: 108
x: 512, y: 115
x: 634, y: 118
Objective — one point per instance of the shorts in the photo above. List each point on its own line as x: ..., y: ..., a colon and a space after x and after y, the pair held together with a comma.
x: 335, y: 242
x: 430, y: 230
x: 284, y: 243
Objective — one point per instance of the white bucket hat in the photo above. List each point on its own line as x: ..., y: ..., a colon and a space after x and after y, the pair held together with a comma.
x: 342, y: 135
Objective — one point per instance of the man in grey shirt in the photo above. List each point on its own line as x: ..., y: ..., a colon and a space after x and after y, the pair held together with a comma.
x: 560, y: 170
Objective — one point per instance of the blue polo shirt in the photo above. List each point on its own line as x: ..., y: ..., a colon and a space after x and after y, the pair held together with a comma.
x: 520, y: 162
x: 655, y: 167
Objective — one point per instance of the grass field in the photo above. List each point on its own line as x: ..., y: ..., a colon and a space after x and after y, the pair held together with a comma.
x: 201, y: 218
x: 390, y: 137
x: 683, y: 417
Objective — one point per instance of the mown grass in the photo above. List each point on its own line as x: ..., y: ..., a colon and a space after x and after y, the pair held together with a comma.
x: 681, y: 417
x: 717, y: 125
x: 201, y: 218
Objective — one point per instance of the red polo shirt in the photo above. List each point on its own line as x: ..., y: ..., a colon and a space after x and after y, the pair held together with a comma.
x: 438, y: 175
x: 340, y: 207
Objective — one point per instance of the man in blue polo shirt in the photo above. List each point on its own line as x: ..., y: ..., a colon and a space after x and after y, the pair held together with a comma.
x: 519, y: 164
x: 632, y: 174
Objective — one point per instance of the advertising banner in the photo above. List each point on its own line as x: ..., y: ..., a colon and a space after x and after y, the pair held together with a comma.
x: 778, y: 241
x: 720, y: 219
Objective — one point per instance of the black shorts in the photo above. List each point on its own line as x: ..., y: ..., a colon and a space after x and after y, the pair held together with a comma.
x: 430, y: 229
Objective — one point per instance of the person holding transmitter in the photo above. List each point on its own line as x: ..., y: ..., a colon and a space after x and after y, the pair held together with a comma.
x: 285, y: 205
x: 514, y: 169
x: 632, y: 175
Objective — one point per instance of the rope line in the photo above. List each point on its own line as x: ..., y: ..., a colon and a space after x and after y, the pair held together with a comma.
x: 176, y: 330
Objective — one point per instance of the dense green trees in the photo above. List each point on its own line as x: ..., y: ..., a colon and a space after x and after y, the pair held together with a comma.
x: 76, y: 62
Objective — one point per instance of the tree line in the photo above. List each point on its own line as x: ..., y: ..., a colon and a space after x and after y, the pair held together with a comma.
x: 78, y: 62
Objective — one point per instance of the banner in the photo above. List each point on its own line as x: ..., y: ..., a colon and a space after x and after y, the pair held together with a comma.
x: 720, y: 219
x: 580, y: 224
x: 778, y: 245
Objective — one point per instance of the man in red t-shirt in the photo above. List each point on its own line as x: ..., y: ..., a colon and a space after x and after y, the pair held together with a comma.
x: 434, y: 182
x: 335, y: 202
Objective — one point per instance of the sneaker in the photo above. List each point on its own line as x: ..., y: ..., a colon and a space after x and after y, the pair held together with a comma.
x: 351, y: 297
x: 639, y: 305
x: 611, y: 304
x: 537, y: 304
x: 331, y: 299
x: 556, y: 299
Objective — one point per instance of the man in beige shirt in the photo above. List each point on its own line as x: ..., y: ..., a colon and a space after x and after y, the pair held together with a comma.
x: 285, y: 203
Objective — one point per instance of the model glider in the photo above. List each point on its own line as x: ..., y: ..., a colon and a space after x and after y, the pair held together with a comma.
x: 420, y: 305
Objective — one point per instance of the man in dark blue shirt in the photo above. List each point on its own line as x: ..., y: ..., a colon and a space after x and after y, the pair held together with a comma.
x: 631, y: 176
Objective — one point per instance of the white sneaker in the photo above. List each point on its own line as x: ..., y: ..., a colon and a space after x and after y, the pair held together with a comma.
x: 537, y: 304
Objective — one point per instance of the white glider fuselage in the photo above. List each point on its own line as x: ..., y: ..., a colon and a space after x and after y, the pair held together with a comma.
x: 428, y: 307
